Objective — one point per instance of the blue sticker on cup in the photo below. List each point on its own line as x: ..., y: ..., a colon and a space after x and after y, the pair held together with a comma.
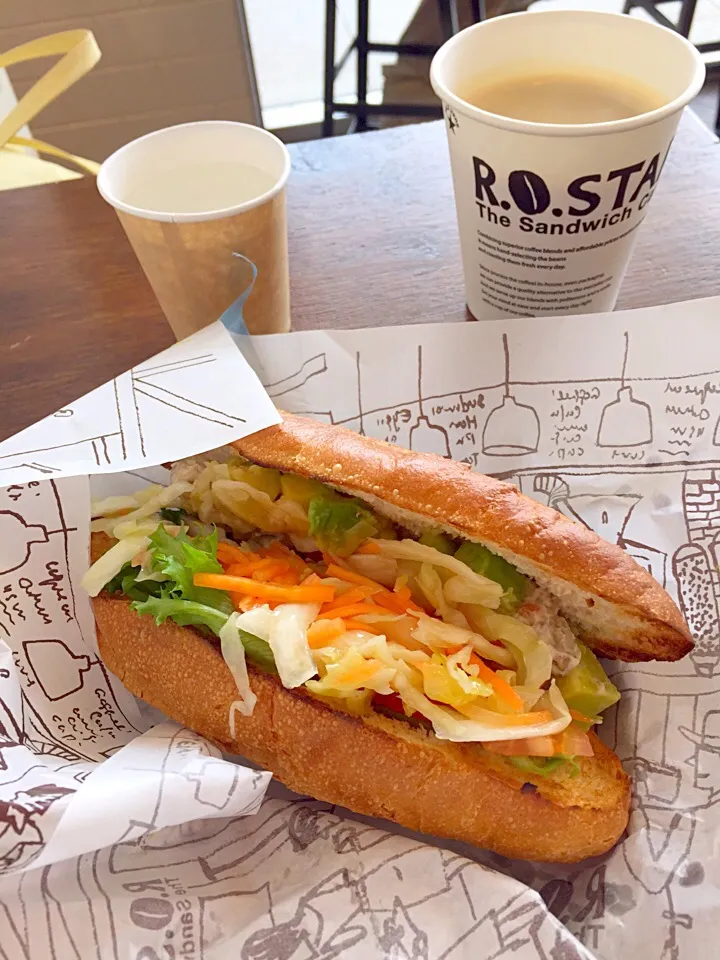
x: 232, y: 318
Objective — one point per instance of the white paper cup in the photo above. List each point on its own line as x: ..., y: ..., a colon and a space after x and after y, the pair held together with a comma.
x: 191, y: 196
x: 548, y: 212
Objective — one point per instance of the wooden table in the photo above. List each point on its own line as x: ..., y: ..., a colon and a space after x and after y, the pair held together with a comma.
x: 373, y: 241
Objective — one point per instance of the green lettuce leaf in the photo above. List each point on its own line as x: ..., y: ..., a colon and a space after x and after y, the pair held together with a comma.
x: 186, y: 613
x: 258, y: 652
x: 340, y: 525
x: 126, y: 582
x: 180, y: 558
x: 546, y: 766
x: 173, y: 514
x: 178, y: 599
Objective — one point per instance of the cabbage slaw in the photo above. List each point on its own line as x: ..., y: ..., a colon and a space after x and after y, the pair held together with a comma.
x: 425, y: 630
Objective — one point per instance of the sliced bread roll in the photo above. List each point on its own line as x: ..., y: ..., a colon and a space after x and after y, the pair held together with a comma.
x: 373, y: 764
x: 612, y: 603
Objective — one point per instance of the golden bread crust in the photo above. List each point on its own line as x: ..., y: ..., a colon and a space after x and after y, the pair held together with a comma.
x: 379, y: 767
x: 649, y: 625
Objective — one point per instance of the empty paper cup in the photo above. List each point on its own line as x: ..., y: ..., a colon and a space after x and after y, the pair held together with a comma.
x: 190, y: 198
x: 559, y: 123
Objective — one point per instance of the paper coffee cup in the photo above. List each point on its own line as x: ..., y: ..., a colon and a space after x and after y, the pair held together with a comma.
x: 548, y: 213
x: 190, y: 197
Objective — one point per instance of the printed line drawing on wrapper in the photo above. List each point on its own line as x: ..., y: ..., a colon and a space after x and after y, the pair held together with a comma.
x: 127, y: 436
x: 33, y: 533
x: 512, y: 428
x: 200, y: 388
x: 625, y: 422
x: 695, y: 567
x: 57, y: 670
x: 607, y: 514
x: 310, y: 368
x: 424, y: 435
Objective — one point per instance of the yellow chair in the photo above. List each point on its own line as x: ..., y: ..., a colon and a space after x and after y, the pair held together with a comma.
x: 20, y: 166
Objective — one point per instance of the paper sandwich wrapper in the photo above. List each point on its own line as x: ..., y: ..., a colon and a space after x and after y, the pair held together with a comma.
x: 124, y: 835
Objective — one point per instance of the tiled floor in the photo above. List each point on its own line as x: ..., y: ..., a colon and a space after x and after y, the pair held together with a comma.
x: 288, y: 44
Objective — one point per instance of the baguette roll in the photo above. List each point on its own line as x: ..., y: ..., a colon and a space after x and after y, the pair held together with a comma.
x: 616, y: 606
x: 374, y: 765
x: 450, y: 781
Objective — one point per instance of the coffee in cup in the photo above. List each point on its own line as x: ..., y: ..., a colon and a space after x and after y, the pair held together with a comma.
x: 547, y: 94
x: 559, y: 123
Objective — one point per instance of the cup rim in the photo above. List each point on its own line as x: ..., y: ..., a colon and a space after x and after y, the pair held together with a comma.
x: 564, y: 129
x: 217, y: 214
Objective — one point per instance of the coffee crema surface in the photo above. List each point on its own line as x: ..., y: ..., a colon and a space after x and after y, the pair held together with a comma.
x: 560, y: 97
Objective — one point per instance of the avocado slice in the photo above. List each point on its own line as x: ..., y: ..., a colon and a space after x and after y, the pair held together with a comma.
x: 340, y: 525
x: 438, y: 541
x: 494, y: 567
x: 302, y: 490
x: 262, y: 478
x: 586, y: 688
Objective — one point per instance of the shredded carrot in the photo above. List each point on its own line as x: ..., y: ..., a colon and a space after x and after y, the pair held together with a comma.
x: 289, y: 579
x: 396, y: 602
x: 404, y: 595
x: 526, y: 719
x: 368, y: 547
x: 402, y: 591
x: 265, y: 591
x: 234, y: 568
x: 340, y: 573
x: 348, y: 610
x: 310, y: 579
x: 275, y: 568
x: 231, y: 553
x: 323, y: 632
x: 500, y: 685
x: 354, y: 595
x: 243, y: 603
x: 580, y: 717
x: 262, y: 568
x: 388, y: 601
x: 262, y: 563
x: 359, y: 625
x: 279, y: 551
x: 247, y: 568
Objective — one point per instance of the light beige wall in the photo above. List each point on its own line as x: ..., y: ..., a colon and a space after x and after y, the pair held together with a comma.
x: 163, y: 62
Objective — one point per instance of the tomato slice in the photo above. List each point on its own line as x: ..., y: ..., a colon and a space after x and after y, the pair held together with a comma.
x: 524, y: 747
x: 392, y: 702
x: 574, y: 742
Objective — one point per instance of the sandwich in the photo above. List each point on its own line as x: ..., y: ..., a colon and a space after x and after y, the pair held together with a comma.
x: 383, y: 630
